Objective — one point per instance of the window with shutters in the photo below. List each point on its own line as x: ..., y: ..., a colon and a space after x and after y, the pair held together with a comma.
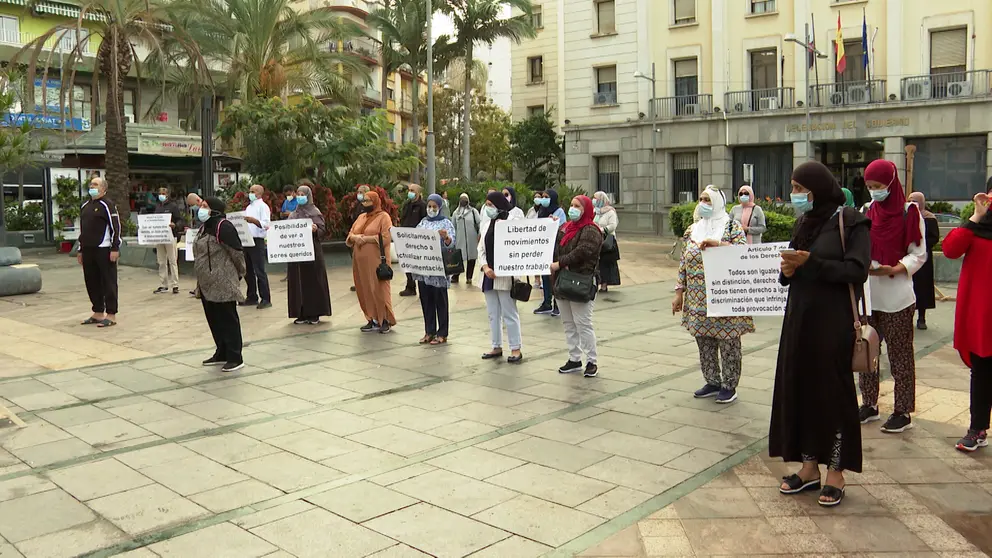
x: 685, y: 177
x: 764, y: 69
x: 608, y: 175
x: 762, y: 6
x: 606, y: 17
x: 686, y: 77
x: 537, y: 17
x: 536, y: 110
x: 10, y: 30
x: 684, y: 11
x: 948, y: 51
x: 606, y: 85
x: 535, y: 69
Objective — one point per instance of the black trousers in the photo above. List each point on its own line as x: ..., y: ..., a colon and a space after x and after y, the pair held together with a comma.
x: 225, y: 326
x: 411, y: 285
x: 981, y: 392
x: 434, y: 303
x: 100, y: 275
x: 469, y: 270
x: 256, y: 277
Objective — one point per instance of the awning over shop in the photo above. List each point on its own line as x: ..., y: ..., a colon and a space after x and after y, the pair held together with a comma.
x: 143, y: 139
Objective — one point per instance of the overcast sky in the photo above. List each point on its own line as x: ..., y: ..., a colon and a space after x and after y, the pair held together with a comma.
x: 498, y: 56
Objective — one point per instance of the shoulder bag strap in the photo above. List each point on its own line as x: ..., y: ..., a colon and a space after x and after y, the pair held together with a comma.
x: 854, y: 301
x: 382, y: 250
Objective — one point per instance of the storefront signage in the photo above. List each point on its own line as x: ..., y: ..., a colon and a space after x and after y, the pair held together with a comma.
x: 848, y: 125
x: 169, y: 145
x: 47, y: 121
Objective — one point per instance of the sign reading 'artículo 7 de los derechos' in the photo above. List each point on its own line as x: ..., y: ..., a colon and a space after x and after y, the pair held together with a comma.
x: 743, y: 280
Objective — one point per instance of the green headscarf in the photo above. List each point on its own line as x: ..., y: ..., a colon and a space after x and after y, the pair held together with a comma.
x: 848, y: 197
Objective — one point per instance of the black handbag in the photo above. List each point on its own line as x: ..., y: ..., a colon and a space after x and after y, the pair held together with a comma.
x: 383, y: 272
x: 575, y: 287
x: 453, y: 262
x: 520, y: 291
x: 609, y: 244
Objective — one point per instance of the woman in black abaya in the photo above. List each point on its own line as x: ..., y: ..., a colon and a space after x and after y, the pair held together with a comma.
x: 815, y: 405
x: 307, y: 292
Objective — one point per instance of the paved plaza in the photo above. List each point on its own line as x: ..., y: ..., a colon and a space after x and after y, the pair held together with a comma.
x: 331, y: 443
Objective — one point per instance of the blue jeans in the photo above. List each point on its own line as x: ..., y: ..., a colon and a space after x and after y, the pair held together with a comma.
x: 503, y: 311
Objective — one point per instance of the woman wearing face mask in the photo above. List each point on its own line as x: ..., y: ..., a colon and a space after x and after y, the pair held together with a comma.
x: 607, y: 220
x: 467, y: 226
x: 413, y: 212
x: 897, y: 253
x: 433, y: 289
x: 579, y: 244
x: 749, y: 215
x: 374, y: 295
x: 358, y: 210
x: 502, y: 308
x: 550, y: 209
x: 308, y: 294
x: 973, y: 315
x: 815, y: 405
x: 511, y: 196
x: 219, y: 265
x: 923, y: 281
x: 719, y: 339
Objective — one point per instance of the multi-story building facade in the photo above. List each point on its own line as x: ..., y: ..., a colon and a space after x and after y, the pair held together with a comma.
x: 730, y: 95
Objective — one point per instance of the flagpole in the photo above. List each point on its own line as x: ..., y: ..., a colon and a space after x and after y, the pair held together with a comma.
x: 816, y: 67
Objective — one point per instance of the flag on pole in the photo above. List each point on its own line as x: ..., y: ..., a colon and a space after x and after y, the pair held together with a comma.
x: 864, y: 43
x: 811, y: 51
x: 839, y: 47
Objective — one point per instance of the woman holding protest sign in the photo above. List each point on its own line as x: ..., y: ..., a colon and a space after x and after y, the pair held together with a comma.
x: 467, y: 226
x: 573, y: 275
x: 433, y: 289
x: 719, y: 339
x: 501, y: 306
x: 815, y: 405
x: 308, y: 294
x: 369, y: 239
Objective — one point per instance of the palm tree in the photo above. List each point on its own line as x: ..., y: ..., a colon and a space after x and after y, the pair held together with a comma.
x: 404, y: 46
x: 119, y: 25
x: 480, y: 22
x: 268, y: 49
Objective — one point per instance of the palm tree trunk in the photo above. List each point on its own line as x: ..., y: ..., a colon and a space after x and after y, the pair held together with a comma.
x: 116, y: 158
x: 467, y: 119
x: 415, y: 89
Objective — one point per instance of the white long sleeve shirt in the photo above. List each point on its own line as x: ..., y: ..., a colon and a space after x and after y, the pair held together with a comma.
x: 260, y: 211
x: 893, y: 294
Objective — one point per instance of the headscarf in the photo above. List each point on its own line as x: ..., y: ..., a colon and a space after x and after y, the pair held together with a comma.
x: 747, y: 209
x: 714, y: 226
x: 552, y: 206
x: 503, y: 206
x: 848, y: 197
x: 572, y: 228
x: 827, y: 197
x: 893, y: 227
x: 921, y: 203
x: 373, y: 197
x: 308, y: 210
x: 463, y: 209
x: 440, y: 204
x: 513, y: 196
x: 607, y: 203
x: 217, y: 213
x: 750, y: 192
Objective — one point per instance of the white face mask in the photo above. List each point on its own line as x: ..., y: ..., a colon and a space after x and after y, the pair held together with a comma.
x: 491, y: 212
x: 431, y: 212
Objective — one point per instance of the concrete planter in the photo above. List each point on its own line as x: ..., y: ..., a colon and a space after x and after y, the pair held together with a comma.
x: 946, y: 270
x: 25, y: 239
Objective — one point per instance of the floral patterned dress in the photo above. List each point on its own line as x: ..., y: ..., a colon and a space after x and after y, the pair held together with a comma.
x: 692, y: 279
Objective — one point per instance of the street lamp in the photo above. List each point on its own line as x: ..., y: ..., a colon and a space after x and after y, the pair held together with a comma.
x: 654, y: 139
x: 431, y: 155
x: 791, y: 38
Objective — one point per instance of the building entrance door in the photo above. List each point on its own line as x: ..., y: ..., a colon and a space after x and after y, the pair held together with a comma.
x: 847, y: 160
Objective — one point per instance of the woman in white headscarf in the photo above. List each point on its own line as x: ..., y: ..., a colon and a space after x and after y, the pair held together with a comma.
x: 608, y: 221
x: 719, y: 339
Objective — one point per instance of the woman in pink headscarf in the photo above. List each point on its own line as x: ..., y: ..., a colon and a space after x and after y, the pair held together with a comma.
x: 749, y: 215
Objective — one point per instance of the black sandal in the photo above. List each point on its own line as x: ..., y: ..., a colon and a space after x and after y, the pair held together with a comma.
x: 797, y: 484
x: 90, y: 321
x: 106, y: 322
x: 831, y: 492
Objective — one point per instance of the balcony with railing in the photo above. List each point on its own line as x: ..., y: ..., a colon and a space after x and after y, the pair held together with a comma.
x: 949, y: 85
x: 58, y: 42
x: 759, y: 100
x: 366, y: 48
x: 406, y: 103
x: 683, y: 106
x: 369, y: 93
x: 847, y: 93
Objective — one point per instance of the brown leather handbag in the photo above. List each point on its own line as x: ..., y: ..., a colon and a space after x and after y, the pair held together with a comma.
x: 867, y: 345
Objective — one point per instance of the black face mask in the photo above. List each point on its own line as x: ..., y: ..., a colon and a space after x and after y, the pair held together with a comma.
x: 463, y: 203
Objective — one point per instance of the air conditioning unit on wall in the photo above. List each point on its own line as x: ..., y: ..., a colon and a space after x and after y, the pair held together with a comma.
x: 858, y: 95
x: 692, y: 108
x: 959, y: 89
x: 768, y: 103
x: 918, y: 90
x: 836, y: 99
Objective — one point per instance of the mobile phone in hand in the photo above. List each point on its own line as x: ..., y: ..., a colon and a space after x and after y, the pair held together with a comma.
x: 788, y: 252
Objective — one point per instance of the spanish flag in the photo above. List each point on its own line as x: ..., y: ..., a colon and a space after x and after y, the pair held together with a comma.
x: 839, y: 46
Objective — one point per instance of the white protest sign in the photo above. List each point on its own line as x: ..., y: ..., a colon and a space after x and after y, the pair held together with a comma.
x: 418, y: 251
x: 238, y: 219
x: 742, y: 280
x: 153, y: 229
x: 524, y: 247
x: 290, y: 241
x: 190, y: 238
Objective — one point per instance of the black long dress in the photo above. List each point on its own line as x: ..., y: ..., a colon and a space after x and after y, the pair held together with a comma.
x: 923, y: 278
x: 815, y: 397
x: 308, y: 295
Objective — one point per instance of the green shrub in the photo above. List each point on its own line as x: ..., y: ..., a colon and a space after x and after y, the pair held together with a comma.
x: 779, y: 227
x: 680, y: 217
x: 942, y: 207
x: 477, y: 191
x: 566, y: 193
x: 776, y: 206
x: 30, y: 217
x: 939, y: 246
x: 967, y: 211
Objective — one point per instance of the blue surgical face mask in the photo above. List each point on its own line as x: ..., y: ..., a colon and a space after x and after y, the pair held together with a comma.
x: 361, y: 197
x: 598, y: 203
x: 162, y: 198
x: 574, y: 213
x: 545, y: 202
x: 491, y: 212
x: 252, y: 196
x: 94, y: 192
x: 301, y: 200
x: 705, y: 211
x: 745, y: 199
x: 879, y: 195
x: 411, y: 195
x: 801, y: 202
x: 203, y: 214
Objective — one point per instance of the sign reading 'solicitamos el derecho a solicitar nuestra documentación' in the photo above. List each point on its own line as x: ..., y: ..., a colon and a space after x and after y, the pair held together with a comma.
x: 418, y: 251
x: 524, y: 247
x: 290, y: 241
x: 743, y: 280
